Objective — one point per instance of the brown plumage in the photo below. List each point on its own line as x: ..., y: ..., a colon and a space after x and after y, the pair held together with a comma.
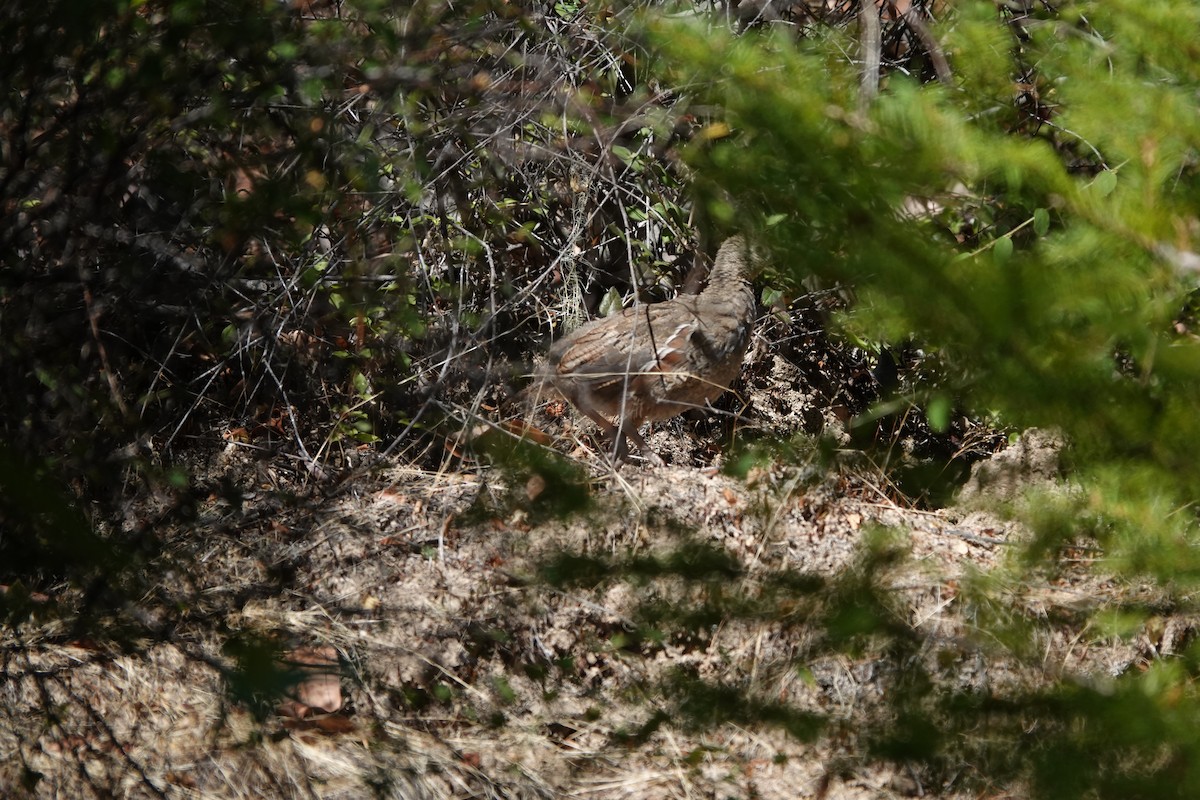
x: 651, y: 362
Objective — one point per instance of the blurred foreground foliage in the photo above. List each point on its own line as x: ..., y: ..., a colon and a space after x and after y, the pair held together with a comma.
x: 1035, y: 222
x: 213, y: 222
x: 1051, y: 254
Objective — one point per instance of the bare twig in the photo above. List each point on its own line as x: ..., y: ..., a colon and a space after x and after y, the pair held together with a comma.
x: 871, y: 39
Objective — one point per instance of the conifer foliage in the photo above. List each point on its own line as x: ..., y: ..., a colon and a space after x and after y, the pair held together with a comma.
x: 1034, y: 220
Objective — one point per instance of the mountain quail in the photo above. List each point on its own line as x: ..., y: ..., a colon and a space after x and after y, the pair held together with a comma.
x: 652, y: 362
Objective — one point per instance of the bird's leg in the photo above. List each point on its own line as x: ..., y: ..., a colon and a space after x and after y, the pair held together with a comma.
x: 611, y: 433
x: 621, y: 435
x: 629, y: 429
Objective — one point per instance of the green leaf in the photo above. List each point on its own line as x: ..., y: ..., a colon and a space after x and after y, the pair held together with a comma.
x: 938, y: 413
x: 611, y: 304
x: 1041, y: 221
x: 623, y: 153
x: 1002, y: 250
x: 362, y: 385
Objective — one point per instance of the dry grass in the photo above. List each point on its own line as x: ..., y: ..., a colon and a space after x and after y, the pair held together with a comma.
x: 464, y: 677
